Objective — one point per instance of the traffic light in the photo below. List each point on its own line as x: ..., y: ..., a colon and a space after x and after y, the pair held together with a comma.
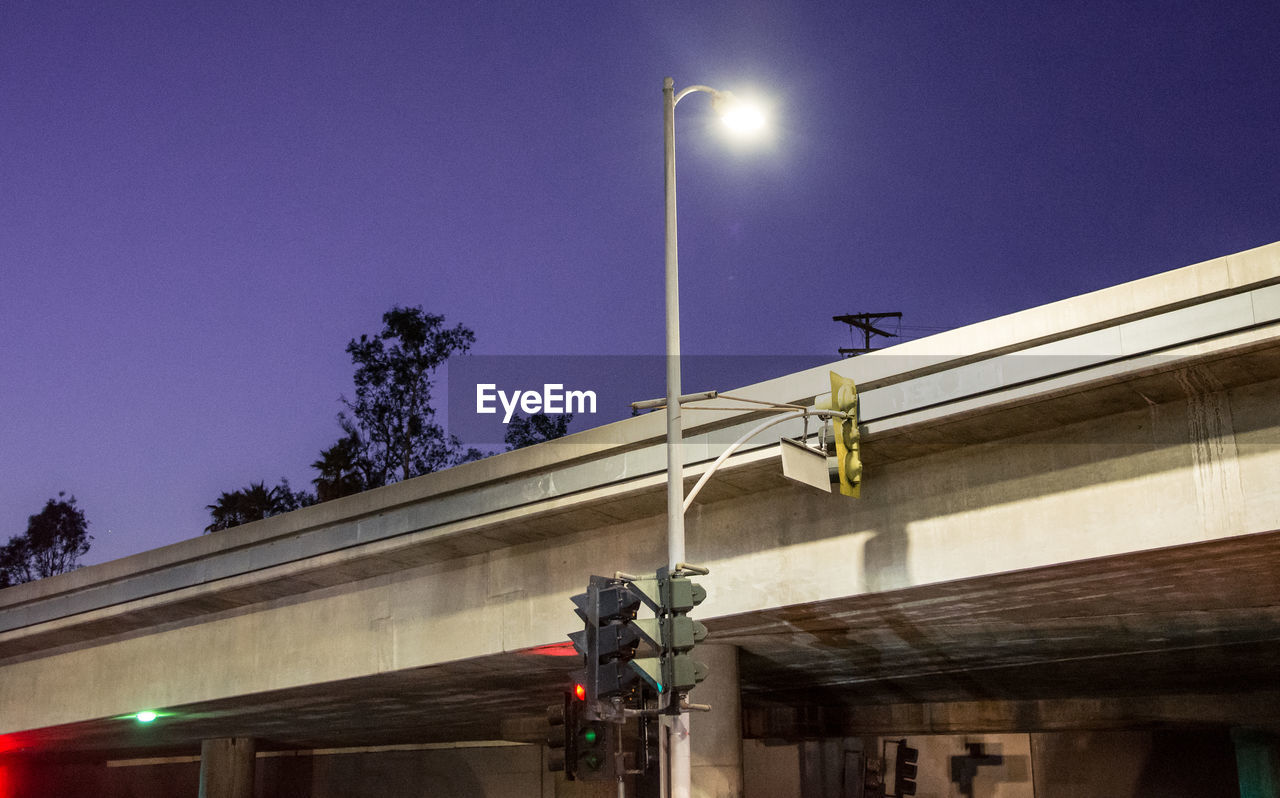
x: 905, y: 769
x: 844, y: 397
x: 586, y: 640
x: 612, y: 634
x: 594, y: 747
x: 673, y: 634
x: 618, y: 636
x: 562, y: 719
x: 680, y: 596
x: 608, y: 639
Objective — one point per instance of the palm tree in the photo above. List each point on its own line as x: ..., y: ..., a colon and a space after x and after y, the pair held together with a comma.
x: 342, y: 470
x: 249, y: 504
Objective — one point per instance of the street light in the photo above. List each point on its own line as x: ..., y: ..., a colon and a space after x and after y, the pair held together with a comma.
x: 741, y: 117
x: 738, y: 115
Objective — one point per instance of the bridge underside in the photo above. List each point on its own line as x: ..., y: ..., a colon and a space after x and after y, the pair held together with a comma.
x: 1122, y: 641
x: 1184, y: 636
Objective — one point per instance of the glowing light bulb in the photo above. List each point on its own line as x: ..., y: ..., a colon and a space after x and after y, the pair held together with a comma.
x: 743, y: 118
x: 738, y: 115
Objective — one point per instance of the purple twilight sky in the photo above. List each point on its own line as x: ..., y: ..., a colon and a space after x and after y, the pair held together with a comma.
x: 201, y: 203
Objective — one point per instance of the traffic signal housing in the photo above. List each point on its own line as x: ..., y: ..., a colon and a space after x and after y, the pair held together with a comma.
x: 608, y: 640
x: 673, y: 634
x: 680, y: 596
x: 583, y: 747
x: 612, y: 634
x: 594, y: 750
x: 844, y: 398
x: 905, y: 769
x: 562, y: 720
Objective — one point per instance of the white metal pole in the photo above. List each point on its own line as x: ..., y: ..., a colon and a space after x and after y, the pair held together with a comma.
x: 678, y: 749
x: 675, y: 462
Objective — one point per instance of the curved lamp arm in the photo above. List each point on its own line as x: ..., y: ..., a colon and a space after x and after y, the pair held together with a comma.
x: 687, y: 90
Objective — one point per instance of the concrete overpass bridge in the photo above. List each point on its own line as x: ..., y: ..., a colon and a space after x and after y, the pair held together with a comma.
x: 1070, y: 527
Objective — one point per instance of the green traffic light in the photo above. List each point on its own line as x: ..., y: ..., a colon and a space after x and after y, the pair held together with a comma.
x: 590, y: 735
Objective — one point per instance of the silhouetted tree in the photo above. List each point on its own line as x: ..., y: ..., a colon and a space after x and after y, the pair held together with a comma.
x: 389, y: 428
x: 392, y: 423
x: 343, y: 471
x: 255, y: 503
x: 13, y: 555
x: 56, y: 538
x: 537, y: 428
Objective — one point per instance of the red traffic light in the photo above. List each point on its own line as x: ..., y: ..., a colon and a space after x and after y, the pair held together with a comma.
x: 580, y: 692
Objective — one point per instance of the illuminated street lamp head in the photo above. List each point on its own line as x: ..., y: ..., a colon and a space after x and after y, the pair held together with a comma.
x: 738, y: 115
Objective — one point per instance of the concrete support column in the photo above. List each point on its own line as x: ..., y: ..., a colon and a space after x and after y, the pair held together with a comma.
x: 226, y: 767
x: 717, y: 735
x: 1257, y: 763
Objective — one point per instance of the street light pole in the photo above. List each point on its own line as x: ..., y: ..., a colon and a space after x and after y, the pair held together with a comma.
x: 676, y: 749
x: 675, y: 753
x: 675, y: 462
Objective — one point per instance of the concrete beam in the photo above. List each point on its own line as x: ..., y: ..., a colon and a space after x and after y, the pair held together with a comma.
x: 1236, y: 293
x: 814, y: 721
